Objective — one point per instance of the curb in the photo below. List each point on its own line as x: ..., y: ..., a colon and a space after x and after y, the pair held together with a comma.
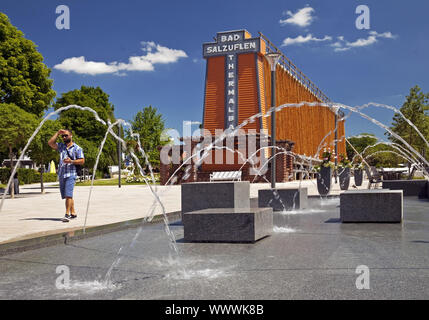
x: 329, y: 196
x: 65, y: 236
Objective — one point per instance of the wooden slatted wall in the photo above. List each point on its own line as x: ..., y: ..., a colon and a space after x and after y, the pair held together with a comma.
x: 214, y: 111
x: 247, y: 89
x: 306, y: 126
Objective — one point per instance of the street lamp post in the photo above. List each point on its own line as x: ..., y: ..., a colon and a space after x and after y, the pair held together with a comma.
x: 336, y: 144
x: 273, y: 59
x: 119, y: 156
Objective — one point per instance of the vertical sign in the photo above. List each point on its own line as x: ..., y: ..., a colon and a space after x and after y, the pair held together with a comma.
x: 231, y: 114
x: 230, y: 44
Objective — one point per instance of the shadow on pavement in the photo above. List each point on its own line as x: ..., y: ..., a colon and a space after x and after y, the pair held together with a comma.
x: 333, y: 220
x: 38, y: 188
x: 44, y: 219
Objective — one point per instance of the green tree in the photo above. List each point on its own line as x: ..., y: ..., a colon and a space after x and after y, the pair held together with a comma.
x: 359, y: 142
x: 24, y: 78
x: 39, y: 151
x: 414, y: 109
x: 90, y: 150
x: 88, y: 131
x: 16, y: 127
x: 149, y: 125
x: 379, y: 159
x: 383, y: 156
x: 3, y: 154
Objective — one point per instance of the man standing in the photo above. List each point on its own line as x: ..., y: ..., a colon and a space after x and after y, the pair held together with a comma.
x: 70, y: 156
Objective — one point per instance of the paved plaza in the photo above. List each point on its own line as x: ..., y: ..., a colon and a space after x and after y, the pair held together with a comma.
x: 310, y: 255
x: 32, y: 214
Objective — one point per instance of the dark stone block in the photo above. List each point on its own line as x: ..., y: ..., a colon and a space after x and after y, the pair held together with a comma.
x: 228, y: 225
x: 205, y: 195
x: 288, y: 199
x: 371, y: 206
x: 417, y: 188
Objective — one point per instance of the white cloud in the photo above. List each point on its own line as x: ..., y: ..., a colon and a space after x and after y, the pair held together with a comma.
x: 363, y: 42
x: 302, y: 18
x: 344, y: 45
x: 301, y: 40
x: 154, y: 54
x: 340, y: 49
x: 387, y: 35
x: 81, y: 66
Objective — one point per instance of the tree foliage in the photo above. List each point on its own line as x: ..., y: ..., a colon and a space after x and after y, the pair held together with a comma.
x: 383, y: 156
x: 87, y: 131
x: 4, y: 154
x: 360, y: 142
x: 24, y: 78
x: 16, y: 126
x: 39, y: 151
x: 413, y: 109
x: 379, y: 156
x: 83, y: 122
x: 149, y: 124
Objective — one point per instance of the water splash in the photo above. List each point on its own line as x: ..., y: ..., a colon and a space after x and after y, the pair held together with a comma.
x: 302, y: 211
x: 284, y: 230
x: 189, y: 274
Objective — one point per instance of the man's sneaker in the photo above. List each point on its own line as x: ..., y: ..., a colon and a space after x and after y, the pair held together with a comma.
x: 66, y: 218
x: 72, y: 216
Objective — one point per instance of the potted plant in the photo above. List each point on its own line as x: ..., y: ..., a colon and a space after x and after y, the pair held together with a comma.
x: 358, y: 172
x: 344, y: 167
x: 324, y: 173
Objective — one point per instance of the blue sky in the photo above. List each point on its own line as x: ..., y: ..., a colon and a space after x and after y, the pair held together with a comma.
x: 166, y: 37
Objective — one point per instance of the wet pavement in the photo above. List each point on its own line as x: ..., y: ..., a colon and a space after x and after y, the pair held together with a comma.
x: 310, y: 255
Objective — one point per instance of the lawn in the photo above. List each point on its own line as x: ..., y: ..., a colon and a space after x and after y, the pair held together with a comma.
x: 108, y: 182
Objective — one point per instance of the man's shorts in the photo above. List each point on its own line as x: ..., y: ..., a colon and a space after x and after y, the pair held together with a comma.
x: 67, y: 186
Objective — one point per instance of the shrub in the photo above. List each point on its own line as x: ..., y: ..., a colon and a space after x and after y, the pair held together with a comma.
x: 49, y: 177
x: 4, y: 175
x: 26, y: 176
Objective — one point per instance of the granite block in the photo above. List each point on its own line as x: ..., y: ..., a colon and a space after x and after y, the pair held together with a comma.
x: 417, y: 188
x: 205, y: 195
x: 227, y: 225
x: 285, y: 199
x: 371, y: 206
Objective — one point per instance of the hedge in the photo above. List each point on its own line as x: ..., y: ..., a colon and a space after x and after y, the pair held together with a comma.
x: 26, y: 176
x: 49, y: 177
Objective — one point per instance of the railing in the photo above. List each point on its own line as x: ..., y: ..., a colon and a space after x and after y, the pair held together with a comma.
x: 295, y: 72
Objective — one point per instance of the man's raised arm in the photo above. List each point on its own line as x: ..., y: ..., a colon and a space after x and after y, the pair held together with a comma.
x: 52, y: 142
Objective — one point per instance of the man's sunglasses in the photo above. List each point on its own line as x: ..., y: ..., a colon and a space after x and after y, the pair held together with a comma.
x: 64, y: 135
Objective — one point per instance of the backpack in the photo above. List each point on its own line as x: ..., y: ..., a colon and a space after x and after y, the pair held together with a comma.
x: 78, y: 167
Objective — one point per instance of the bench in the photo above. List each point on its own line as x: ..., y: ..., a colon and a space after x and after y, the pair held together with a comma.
x: 225, y: 176
x: 83, y: 178
x: 374, y: 177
